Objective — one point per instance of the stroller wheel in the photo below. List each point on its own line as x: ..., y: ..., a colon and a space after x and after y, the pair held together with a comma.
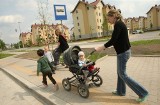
x: 66, y: 84
x: 97, y: 80
x: 83, y: 91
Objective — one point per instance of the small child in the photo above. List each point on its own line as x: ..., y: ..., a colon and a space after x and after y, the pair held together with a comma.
x: 45, y: 66
x: 50, y: 57
x: 82, y: 62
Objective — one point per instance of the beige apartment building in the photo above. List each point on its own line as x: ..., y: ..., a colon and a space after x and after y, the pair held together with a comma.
x: 26, y: 38
x: 88, y: 19
x: 141, y: 23
x: 43, y: 34
x: 135, y: 23
x: 153, y: 16
x: 128, y: 23
x: 151, y: 22
x: 145, y: 23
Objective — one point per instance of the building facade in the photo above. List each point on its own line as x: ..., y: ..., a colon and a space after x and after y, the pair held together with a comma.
x: 153, y: 16
x: 43, y: 34
x: 88, y: 19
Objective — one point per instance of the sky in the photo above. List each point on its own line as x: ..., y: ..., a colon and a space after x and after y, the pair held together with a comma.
x: 18, y: 15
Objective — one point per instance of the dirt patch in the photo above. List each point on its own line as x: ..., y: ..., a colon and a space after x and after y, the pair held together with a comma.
x: 153, y: 49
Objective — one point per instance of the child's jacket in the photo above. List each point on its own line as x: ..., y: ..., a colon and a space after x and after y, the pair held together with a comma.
x: 43, y: 65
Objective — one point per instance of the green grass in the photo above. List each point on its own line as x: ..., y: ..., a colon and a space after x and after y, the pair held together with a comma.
x: 95, y: 56
x: 2, y: 55
x: 145, y: 42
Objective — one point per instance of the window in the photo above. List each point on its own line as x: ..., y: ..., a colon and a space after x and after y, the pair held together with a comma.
x: 76, y: 11
x: 87, y: 8
x: 79, y: 30
x: 78, y: 24
x: 77, y: 18
x: 99, y: 14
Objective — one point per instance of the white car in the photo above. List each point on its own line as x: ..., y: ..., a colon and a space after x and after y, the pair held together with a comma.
x: 137, y: 32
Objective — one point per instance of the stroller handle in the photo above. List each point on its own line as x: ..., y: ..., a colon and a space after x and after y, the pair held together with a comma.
x: 92, y: 52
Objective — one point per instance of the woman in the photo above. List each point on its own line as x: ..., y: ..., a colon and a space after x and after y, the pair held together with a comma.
x: 121, y: 44
x: 62, y: 46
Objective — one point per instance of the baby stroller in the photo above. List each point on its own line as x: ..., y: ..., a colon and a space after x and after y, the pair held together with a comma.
x: 70, y: 58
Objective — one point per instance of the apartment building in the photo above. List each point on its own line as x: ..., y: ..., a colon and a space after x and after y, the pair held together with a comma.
x: 145, y: 23
x: 128, y: 23
x: 88, y: 19
x: 151, y: 22
x: 141, y: 23
x: 153, y: 16
x: 26, y: 38
x: 43, y: 34
x: 135, y: 23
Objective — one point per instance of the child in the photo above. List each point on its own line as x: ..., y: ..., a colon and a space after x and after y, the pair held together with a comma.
x: 49, y: 55
x: 82, y: 61
x: 45, y: 66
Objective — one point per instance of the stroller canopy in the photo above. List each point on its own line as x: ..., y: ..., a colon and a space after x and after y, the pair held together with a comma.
x: 70, y: 56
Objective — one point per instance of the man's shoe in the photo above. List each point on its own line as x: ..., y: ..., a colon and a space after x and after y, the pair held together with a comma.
x: 142, y: 99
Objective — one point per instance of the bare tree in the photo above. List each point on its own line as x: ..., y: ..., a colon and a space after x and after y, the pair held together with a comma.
x: 44, y: 17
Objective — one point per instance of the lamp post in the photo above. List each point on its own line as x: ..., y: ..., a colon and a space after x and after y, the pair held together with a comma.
x: 0, y: 41
x: 20, y: 33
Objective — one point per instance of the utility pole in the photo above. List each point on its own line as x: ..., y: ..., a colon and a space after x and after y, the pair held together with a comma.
x: 0, y: 41
x: 20, y: 33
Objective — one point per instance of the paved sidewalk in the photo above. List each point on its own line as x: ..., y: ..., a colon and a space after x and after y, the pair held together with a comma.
x: 145, y: 70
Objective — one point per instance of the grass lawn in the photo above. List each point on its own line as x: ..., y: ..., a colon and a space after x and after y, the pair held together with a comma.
x: 145, y: 42
x: 2, y: 55
x: 145, y: 47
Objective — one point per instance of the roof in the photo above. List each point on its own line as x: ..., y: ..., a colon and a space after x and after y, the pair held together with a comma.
x: 135, y: 19
x: 78, y: 4
x: 23, y: 34
x: 96, y: 2
x: 54, y: 26
x: 156, y: 7
x: 93, y: 4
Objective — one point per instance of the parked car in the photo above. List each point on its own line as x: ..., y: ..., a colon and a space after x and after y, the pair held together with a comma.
x: 137, y: 32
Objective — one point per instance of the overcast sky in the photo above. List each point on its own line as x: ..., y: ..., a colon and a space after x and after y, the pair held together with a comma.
x: 26, y: 12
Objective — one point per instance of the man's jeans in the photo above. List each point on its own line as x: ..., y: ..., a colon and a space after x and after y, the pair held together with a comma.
x: 124, y: 79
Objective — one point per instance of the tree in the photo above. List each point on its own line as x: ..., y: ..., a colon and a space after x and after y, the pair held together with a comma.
x: 20, y: 44
x: 29, y: 43
x: 40, y: 40
x: 2, y: 44
x: 16, y: 45
x: 105, y: 25
x: 44, y: 18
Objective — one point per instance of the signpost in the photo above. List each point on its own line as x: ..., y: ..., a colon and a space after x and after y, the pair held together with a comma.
x: 60, y: 12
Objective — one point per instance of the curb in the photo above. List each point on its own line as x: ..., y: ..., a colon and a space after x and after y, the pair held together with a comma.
x: 132, y: 55
x: 28, y: 86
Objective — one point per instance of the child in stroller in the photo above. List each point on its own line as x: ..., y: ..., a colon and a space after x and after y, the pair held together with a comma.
x: 70, y: 58
x: 87, y: 66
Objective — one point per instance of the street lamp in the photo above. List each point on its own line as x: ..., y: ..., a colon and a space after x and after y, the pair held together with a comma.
x: 1, y: 41
x: 20, y: 33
